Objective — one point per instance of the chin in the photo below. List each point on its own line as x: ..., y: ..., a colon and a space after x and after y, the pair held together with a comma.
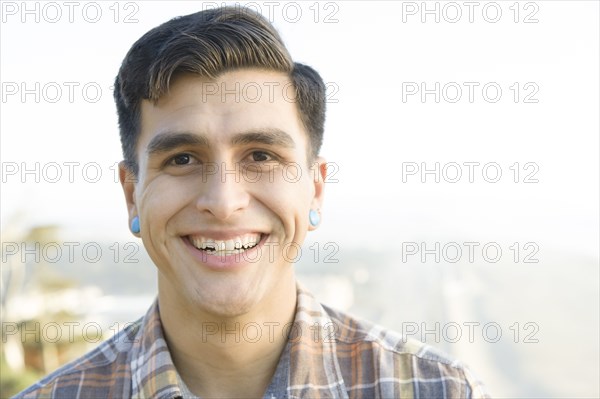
x: 226, y: 302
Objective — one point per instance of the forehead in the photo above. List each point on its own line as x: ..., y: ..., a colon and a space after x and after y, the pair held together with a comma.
x: 237, y: 101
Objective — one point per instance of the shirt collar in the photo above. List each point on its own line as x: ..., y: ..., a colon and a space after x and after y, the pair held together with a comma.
x: 314, y: 368
x: 153, y: 374
x: 315, y: 371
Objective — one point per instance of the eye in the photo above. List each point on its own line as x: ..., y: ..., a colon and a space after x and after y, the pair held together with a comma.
x: 181, y: 159
x: 261, y: 156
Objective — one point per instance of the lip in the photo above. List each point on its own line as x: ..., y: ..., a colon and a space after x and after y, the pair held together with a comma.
x: 226, y: 262
x: 224, y: 235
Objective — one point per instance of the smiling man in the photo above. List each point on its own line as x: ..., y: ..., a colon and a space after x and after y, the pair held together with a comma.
x: 221, y: 133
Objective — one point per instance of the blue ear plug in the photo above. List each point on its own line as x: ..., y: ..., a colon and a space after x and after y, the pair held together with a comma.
x: 314, y: 218
x: 135, y: 225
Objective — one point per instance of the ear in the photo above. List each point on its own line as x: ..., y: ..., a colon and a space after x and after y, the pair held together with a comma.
x: 319, y: 173
x: 128, y: 180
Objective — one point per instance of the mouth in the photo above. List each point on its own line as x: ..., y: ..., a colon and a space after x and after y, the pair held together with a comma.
x: 232, y: 246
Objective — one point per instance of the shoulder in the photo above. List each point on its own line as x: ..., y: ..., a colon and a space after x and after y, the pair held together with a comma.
x: 378, y: 362
x: 102, y: 372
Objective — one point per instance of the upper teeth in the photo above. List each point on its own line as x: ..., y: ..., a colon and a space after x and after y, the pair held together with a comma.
x: 244, y: 241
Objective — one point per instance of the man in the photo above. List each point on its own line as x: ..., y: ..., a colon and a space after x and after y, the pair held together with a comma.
x: 221, y: 133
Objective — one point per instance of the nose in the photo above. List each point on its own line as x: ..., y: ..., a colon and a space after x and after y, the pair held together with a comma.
x: 223, y: 192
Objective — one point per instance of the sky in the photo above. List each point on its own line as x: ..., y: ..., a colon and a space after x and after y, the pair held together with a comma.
x: 498, y: 100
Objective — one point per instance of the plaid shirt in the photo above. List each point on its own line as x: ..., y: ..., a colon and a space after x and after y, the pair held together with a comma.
x: 331, y: 356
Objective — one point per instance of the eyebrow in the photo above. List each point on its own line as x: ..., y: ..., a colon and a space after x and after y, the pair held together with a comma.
x: 271, y: 136
x: 165, y: 142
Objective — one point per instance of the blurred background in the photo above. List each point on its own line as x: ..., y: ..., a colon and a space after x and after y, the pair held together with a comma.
x: 462, y: 202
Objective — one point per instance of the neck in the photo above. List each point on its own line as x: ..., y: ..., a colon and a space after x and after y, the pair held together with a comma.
x: 228, y: 355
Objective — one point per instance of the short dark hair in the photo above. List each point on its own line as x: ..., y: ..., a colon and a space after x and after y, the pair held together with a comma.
x: 209, y: 43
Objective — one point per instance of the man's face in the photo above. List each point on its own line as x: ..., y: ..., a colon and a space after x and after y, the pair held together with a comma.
x: 224, y: 188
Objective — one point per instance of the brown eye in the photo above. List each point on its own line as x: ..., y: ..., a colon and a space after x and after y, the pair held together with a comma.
x: 260, y: 156
x: 181, y: 159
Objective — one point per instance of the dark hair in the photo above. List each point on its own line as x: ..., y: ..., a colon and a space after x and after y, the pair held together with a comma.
x: 209, y: 43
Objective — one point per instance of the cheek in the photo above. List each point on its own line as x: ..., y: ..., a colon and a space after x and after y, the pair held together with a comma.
x: 162, y: 199
x: 288, y: 196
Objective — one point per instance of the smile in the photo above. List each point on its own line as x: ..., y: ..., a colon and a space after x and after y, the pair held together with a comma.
x: 234, y: 245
